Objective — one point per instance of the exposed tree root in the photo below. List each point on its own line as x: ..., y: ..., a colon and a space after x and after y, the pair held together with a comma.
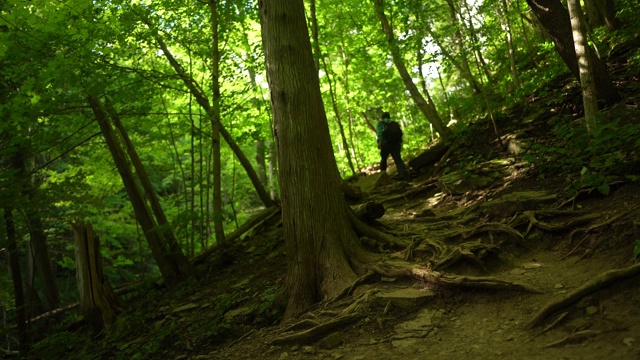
x: 606, y: 279
x: 493, y: 227
x: 562, y: 226
x: 435, y: 278
x: 349, y: 290
x: 313, y: 334
x: 575, y: 337
x: 363, y: 229
x: 474, y: 252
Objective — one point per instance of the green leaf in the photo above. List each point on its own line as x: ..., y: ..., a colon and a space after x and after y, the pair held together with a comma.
x: 604, y: 189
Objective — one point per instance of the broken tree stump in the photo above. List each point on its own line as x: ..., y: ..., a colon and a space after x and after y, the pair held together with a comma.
x: 98, y: 303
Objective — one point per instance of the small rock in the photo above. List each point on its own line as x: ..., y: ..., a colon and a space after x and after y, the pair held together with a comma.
x: 591, y: 310
x: 558, y: 286
x: 284, y: 355
x: 295, y: 347
x: 308, y: 349
x: 517, y: 272
x: 628, y: 341
x: 181, y: 357
x: 373, y: 342
x: 331, y: 341
x: 337, y: 356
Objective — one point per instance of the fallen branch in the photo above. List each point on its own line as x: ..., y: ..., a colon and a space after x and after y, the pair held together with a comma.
x: 606, y: 279
x: 309, y: 336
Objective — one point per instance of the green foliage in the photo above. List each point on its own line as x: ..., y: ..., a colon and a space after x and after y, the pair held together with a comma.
x: 591, y: 161
x: 636, y: 250
x: 63, y: 345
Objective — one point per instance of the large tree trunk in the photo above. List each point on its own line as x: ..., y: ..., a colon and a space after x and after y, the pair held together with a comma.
x: 427, y: 108
x: 16, y: 277
x: 318, y: 236
x: 98, y: 303
x: 171, y: 268
x: 555, y: 18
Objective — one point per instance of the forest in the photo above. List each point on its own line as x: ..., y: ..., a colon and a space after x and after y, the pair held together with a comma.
x: 187, y: 179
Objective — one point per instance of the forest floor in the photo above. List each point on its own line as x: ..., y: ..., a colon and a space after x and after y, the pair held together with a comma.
x: 549, y: 238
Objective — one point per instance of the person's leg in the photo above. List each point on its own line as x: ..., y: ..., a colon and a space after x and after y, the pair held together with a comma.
x: 384, y: 154
x: 397, y: 158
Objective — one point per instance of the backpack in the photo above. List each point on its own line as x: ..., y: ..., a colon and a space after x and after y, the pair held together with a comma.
x: 391, y: 132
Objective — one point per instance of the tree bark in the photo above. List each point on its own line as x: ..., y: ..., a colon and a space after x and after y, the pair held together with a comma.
x: 318, y: 236
x: 16, y: 277
x: 156, y: 207
x: 171, y: 268
x: 98, y: 303
x: 216, y: 126
x: 427, y: 108
x: 589, y: 98
x: 555, y: 18
x: 199, y: 94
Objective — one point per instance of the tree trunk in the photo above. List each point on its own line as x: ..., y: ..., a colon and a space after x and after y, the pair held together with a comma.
x: 318, y: 236
x: 463, y: 63
x: 156, y: 207
x: 16, y: 277
x: 555, y: 18
x: 589, y: 98
x: 216, y: 126
x: 427, y: 108
x: 503, y: 13
x: 98, y: 303
x: 198, y: 93
x: 171, y: 268
x: 38, y: 250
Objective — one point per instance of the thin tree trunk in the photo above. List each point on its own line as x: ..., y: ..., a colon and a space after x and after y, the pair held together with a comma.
x: 216, y: 126
x: 16, y: 277
x: 503, y: 13
x: 172, y: 269
x: 555, y: 18
x: 463, y: 63
x: 167, y: 230
x: 198, y: 93
x: 589, y: 98
x: 336, y: 111
x: 427, y: 109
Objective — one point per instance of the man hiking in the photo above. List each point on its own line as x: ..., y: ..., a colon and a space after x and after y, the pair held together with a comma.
x: 389, y: 136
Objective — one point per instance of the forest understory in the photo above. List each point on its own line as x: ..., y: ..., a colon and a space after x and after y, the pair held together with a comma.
x: 482, y: 256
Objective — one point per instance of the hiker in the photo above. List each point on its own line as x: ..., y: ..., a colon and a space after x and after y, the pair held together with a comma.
x: 389, y: 136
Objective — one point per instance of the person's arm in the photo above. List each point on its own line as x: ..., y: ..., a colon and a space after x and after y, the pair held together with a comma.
x: 379, y: 128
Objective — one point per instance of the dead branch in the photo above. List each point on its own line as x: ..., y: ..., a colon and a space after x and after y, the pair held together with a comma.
x: 310, y: 335
x: 605, y: 280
